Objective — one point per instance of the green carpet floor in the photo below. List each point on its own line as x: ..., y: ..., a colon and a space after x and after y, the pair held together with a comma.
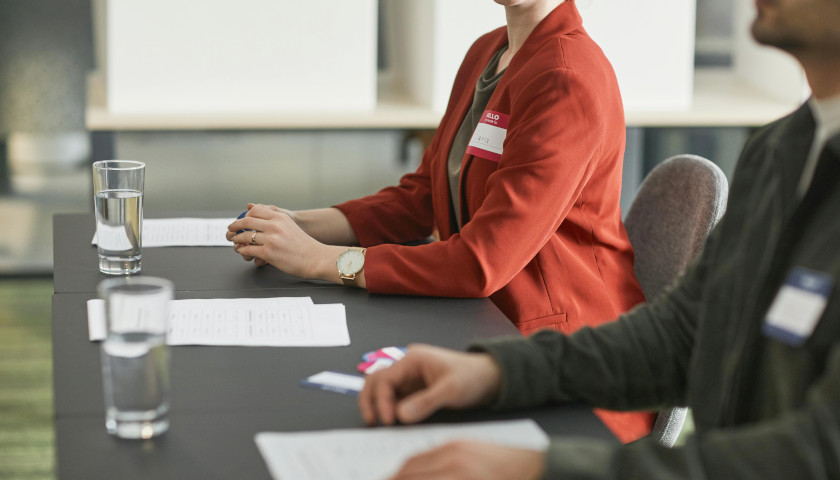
x: 26, y: 422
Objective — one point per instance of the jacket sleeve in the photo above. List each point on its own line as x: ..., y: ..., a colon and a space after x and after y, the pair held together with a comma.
x: 398, y: 214
x: 802, y: 444
x: 620, y: 367
x: 528, y: 196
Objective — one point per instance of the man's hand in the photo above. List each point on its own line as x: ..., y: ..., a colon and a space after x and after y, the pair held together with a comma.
x: 470, y: 460
x: 427, y: 379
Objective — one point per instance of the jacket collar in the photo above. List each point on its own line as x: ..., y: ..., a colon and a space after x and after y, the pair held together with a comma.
x: 833, y: 145
x: 790, y: 149
x: 561, y: 21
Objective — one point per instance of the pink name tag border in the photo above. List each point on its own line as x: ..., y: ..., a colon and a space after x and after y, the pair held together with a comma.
x: 494, y: 119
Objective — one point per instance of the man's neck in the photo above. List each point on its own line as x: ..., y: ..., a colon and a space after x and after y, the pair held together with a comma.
x: 823, y: 75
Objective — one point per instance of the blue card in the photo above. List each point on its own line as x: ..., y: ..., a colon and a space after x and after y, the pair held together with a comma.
x: 343, y: 383
x: 242, y: 215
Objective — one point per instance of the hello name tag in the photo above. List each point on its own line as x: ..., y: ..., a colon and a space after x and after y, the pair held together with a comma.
x: 489, y: 136
x: 798, y: 306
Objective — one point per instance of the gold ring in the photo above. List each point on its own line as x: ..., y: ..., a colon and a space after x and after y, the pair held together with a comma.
x: 253, y: 238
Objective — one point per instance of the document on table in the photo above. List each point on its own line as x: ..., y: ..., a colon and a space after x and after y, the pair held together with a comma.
x: 272, y: 322
x: 184, y: 232
x: 377, y: 453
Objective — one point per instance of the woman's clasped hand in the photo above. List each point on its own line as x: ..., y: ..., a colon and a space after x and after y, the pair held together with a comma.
x: 270, y: 235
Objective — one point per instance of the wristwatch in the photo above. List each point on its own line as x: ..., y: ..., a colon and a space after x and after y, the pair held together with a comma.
x: 350, y: 263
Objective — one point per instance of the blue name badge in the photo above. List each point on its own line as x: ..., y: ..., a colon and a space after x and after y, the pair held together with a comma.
x: 798, y: 306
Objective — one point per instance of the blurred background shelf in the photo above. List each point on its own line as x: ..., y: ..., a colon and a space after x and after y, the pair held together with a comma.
x: 720, y: 99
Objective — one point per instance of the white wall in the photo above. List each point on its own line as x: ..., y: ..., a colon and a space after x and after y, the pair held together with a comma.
x: 194, y: 56
x: 651, y: 47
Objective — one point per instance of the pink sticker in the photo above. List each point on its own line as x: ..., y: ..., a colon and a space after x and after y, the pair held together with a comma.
x: 489, y: 136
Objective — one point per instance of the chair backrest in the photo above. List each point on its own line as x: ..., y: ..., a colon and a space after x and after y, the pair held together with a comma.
x: 676, y: 207
x: 678, y: 204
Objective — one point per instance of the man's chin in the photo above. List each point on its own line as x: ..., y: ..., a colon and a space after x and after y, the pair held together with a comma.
x: 766, y: 36
x: 758, y: 33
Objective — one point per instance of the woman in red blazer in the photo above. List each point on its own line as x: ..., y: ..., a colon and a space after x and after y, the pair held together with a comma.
x: 535, y: 223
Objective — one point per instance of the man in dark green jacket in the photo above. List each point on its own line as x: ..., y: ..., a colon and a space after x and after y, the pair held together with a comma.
x: 749, y: 337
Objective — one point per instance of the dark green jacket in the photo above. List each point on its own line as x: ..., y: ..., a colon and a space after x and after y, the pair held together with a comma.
x: 762, y: 409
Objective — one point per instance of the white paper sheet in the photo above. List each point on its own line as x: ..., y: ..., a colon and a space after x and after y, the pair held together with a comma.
x: 377, y: 453
x: 279, y: 321
x: 184, y: 232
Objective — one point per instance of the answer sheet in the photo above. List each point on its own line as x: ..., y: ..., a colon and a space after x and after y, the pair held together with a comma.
x: 273, y: 322
x: 377, y: 453
x: 184, y: 232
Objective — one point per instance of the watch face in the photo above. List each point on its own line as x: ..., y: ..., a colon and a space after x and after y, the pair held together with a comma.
x: 351, y: 262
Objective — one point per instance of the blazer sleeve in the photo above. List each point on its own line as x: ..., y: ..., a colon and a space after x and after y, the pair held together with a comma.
x: 398, y: 214
x: 801, y: 444
x: 554, y: 139
x: 640, y: 362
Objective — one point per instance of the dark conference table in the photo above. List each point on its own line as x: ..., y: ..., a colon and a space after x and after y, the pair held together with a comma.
x: 222, y: 396
x: 75, y: 267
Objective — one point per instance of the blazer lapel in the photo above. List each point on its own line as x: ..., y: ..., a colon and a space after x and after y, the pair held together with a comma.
x: 452, y: 121
x: 562, y: 20
x: 791, y: 152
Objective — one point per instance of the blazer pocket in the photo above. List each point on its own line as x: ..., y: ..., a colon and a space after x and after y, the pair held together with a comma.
x: 554, y: 322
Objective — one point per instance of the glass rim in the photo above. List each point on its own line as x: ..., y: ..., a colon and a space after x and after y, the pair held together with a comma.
x: 116, y: 164
x: 107, y: 284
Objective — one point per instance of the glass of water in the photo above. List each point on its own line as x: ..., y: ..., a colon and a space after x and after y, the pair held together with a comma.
x: 135, y: 358
x: 118, y: 200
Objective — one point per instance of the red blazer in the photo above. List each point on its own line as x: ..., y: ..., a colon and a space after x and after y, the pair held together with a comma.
x: 542, y: 233
x: 541, y: 227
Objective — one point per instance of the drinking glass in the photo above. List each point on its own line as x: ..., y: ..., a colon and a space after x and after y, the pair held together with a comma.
x: 118, y: 201
x: 135, y: 358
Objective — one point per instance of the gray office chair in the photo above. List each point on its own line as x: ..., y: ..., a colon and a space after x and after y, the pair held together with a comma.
x: 675, y: 209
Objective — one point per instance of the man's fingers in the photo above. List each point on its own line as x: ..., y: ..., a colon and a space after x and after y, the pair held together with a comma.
x: 378, y: 399
x: 366, y: 403
x: 384, y: 398
x: 429, y: 464
x: 420, y: 405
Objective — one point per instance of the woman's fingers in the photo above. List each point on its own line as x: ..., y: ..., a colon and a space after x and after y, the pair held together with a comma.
x: 251, y: 220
